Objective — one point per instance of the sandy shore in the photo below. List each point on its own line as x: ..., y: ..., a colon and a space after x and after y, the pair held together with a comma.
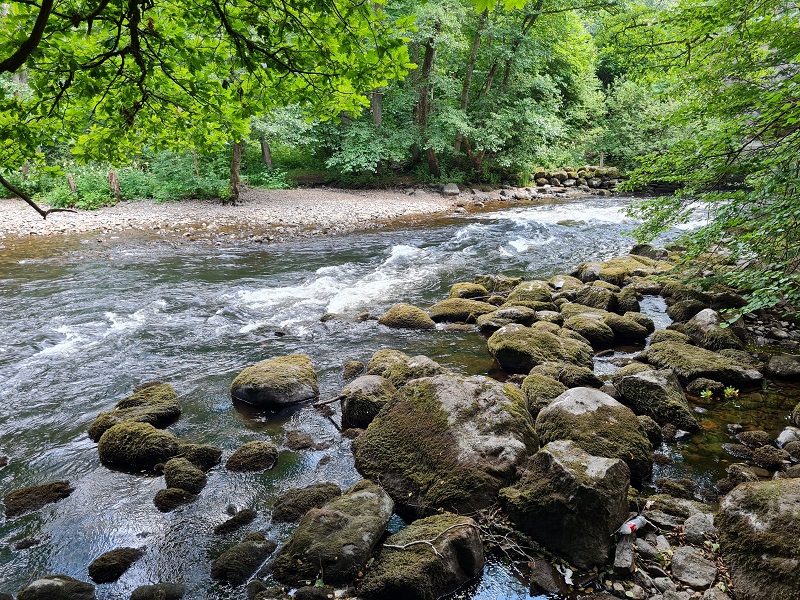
x: 282, y: 211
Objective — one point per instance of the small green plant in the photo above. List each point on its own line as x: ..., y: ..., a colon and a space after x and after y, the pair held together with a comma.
x: 706, y: 394
x: 731, y: 392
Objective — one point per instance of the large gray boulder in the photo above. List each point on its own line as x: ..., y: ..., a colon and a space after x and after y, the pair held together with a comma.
x: 705, y: 330
x: 598, y: 424
x: 333, y: 543
x: 759, y: 529
x: 363, y: 398
x: 571, y: 502
x: 57, y: 587
x: 276, y: 383
x: 691, y: 362
x: 448, y: 442
x: 518, y: 349
x: 449, y: 555
x: 658, y: 394
x: 155, y: 403
x: 785, y: 366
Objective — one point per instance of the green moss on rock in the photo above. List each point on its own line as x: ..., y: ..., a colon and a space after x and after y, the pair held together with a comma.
x: 132, y: 445
x: 568, y: 374
x: 629, y: 369
x: 595, y: 330
x: 182, y: 474
x: 690, y: 362
x: 459, y: 310
x: 468, y: 290
x: 531, y: 291
x: 110, y: 565
x: 683, y: 310
x: 540, y: 391
x: 498, y: 283
x: 277, y: 382
x: 658, y: 394
x: 518, y: 349
x: 626, y: 329
x: 156, y: 404
x: 202, y: 456
x: 400, y: 373
x: 383, y: 359
x: 294, y: 503
x: 169, y: 499
x: 253, y: 456
x: 597, y: 297
x: 240, y: 519
x: 32, y: 498
x: 406, y: 316
x: 363, y: 398
x: 670, y: 335
x: 57, y: 587
x: 239, y: 562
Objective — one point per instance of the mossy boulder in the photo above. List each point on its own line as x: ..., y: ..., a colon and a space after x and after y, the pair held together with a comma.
x: 468, y: 290
x: 169, y: 499
x: 652, y: 429
x: 448, y: 442
x: 253, y: 456
x: 630, y: 369
x: 606, y: 286
x: 587, y: 272
x: 621, y: 269
x: 352, y: 369
x: 659, y: 395
x: 406, y: 316
x: 683, y: 310
x: 381, y: 360
x: 626, y: 329
x: 670, y: 335
x: 110, y: 565
x: 239, y: 562
x: 334, y: 542
x: 531, y: 291
x: 598, y: 424
x: 276, y: 383
x: 451, y: 554
x: 156, y: 404
x: 534, y: 305
x: 628, y: 300
x: 57, y: 587
x: 459, y: 310
x: 32, y: 498
x: 294, y: 503
x: 593, y: 329
x: 568, y: 374
x: 400, y: 373
x: 563, y: 283
x: 133, y: 445
x: 678, y: 291
x: 642, y: 320
x: 498, y: 283
x: 705, y: 330
x: 785, y: 366
x: 182, y: 474
x: 239, y: 519
x: 759, y: 529
x: 202, y: 456
x: 691, y: 362
x: 540, y: 391
x: 491, y: 322
x: 159, y: 591
x: 363, y: 398
x: 572, y: 309
x: 571, y: 502
x: 550, y: 316
x: 518, y: 349
x: 597, y: 297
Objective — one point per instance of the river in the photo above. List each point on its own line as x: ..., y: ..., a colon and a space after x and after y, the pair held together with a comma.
x: 84, y: 321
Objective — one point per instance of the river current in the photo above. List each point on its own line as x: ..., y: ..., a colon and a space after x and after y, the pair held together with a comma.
x: 83, y: 322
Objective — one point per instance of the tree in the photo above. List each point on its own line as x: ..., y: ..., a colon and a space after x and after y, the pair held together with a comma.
x: 108, y: 78
x: 734, y: 65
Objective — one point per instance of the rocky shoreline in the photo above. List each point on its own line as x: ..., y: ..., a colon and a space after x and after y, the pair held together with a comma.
x: 545, y: 468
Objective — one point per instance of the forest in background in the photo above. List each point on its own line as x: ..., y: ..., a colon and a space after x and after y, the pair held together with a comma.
x: 188, y: 99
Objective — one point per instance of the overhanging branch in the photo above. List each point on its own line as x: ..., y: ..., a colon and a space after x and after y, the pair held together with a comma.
x: 22, y: 195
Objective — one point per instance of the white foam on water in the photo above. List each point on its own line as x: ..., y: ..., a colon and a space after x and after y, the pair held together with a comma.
x: 522, y: 244
x: 552, y: 214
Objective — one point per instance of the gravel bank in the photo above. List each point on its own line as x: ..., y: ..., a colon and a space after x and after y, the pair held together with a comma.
x: 260, y: 211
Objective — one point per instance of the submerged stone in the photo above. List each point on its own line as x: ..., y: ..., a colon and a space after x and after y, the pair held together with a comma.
x: 35, y: 497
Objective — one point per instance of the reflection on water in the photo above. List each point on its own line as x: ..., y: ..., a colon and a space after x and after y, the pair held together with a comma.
x: 83, y: 323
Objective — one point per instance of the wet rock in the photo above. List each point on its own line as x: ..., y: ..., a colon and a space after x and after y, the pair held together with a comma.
x: 630, y: 369
x: 335, y: 541
x: 32, y: 498
x: 598, y: 424
x: 182, y: 474
x: 518, y: 349
x: 670, y: 335
x: 787, y: 436
x: 759, y: 525
x: 294, y: 503
x: 400, y: 368
x: 459, y: 310
x: 570, y: 501
x: 133, y: 445
x: 531, y: 291
x: 701, y: 384
x: 651, y: 429
x: 159, y: 591
x: 276, y: 383
x: 545, y: 579
x: 796, y: 415
x: 540, y: 391
x: 110, y: 565
x: 659, y: 395
x: 754, y: 438
x: 498, y: 283
x: 715, y: 593
x: 626, y: 329
x: 57, y: 587
x: 468, y: 290
x: 704, y: 330
x: 793, y: 449
x: 363, y: 398
x: 597, y: 297
x: 253, y: 456
x: 449, y: 442
x: 691, y: 362
x: 678, y: 488
x: 699, y: 527
x: 156, y: 404
x: 239, y: 562
x: 491, y: 322
x: 570, y: 375
x: 414, y: 571
x: 770, y: 457
x: 202, y: 456
x: 3, y: 461
x: 565, y: 282
x: 302, y: 440
x: 691, y: 568
x: 314, y: 592
x: 406, y: 316
x: 240, y: 519
x: 352, y: 369
x: 785, y: 366
x: 591, y: 328
x: 623, y: 555
x: 621, y: 269
x: 628, y: 300
x: 169, y: 499
x: 683, y: 310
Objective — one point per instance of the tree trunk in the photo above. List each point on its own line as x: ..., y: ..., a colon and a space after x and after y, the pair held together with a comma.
x: 423, y: 106
x: 473, y: 55
x: 433, y: 163
x: 266, y: 154
x: 376, y: 107
x: 72, y: 185
x: 113, y: 185
x: 236, y: 165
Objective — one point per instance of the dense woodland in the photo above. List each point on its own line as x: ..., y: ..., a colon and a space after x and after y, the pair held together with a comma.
x: 106, y: 100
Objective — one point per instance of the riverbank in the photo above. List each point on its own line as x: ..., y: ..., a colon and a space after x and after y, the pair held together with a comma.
x: 324, y: 209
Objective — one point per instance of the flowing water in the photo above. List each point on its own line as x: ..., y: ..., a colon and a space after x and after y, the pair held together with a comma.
x: 83, y: 322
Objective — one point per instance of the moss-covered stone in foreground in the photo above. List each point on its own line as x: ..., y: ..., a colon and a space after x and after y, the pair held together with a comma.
x: 518, y: 349
x: 691, y: 362
x: 155, y: 403
x: 406, y: 316
x: 132, y: 445
x: 277, y: 382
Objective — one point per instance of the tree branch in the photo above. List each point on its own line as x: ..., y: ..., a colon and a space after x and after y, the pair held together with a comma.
x: 13, y: 63
x: 22, y: 195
